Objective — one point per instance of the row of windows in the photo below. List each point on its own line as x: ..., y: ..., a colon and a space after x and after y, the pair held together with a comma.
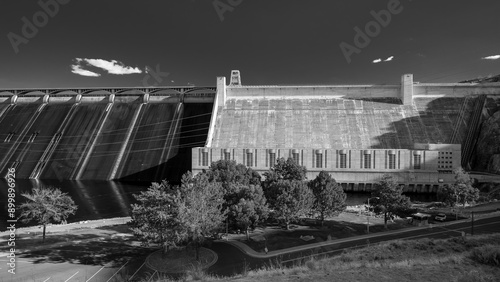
x: 271, y: 160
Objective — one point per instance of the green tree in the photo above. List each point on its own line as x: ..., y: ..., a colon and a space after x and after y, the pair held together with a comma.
x: 155, y: 218
x: 243, y: 195
x: 245, y: 202
x: 460, y: 192
x: 329, y: 197
x: 201, y: 207
x: 293, y: 199
x: 47, y: 205
x: 230, y: 172
x: 389, y: 199
x: 282, y: 170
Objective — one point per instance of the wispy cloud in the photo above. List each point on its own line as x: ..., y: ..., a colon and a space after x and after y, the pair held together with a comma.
x: 379, y: 60
x: 76, y: 69
x: 111, y: 67
x: 494, y: 57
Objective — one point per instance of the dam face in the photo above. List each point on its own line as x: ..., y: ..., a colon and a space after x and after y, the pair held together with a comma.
x: 126, y: 134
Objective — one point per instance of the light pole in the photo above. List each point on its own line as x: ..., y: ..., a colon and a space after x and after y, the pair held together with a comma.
x: 369, y: 214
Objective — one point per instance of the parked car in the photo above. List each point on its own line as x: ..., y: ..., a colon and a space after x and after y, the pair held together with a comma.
x: 440, y: 217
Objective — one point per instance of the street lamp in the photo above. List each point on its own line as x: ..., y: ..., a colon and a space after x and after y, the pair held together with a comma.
x: 369, y: 214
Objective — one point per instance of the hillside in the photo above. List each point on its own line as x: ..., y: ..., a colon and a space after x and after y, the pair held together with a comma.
x: 488, y: 79
x: 456, y: 259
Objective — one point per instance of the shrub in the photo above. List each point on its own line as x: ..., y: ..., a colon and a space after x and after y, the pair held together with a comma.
x: 488, y: 254
x: 312, y: 265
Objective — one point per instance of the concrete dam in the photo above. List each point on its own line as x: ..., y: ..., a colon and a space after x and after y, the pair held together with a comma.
x: 416, y: 132
x: 132, y: 134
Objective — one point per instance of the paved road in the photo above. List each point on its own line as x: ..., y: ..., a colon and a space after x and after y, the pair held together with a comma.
x: 94, y: 260
x: 236, y: 261
x: 115, y: 260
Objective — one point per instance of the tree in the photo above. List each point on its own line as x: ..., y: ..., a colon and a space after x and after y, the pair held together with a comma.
x: 461, y: 191
x: 47, y: 205
x: 244, y: 214
x: 155, y: 218
x: 201, y: 208
x: 282, y: 170
x: 329, y: 197
x: 287, y: 170
x: 243, y: 202
x: 389, y: 199
x: 293, y: 199
x: 243, y: 196
x: 230, y: 172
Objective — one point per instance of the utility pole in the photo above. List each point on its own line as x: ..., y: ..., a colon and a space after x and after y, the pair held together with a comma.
x: 472, y: 224
x: 369, y: 214
x: 368, y: 218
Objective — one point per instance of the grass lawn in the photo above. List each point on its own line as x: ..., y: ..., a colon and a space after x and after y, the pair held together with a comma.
x: 29, y: 238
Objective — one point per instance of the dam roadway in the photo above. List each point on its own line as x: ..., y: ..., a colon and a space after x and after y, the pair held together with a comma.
x: 103, y: 134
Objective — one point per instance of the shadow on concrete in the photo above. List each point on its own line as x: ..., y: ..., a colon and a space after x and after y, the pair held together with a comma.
x: 428, y: 120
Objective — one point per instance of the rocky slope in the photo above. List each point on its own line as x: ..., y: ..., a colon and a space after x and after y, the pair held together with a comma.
x: 487, y: 156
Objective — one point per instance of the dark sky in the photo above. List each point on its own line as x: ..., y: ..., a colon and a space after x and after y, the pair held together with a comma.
x: 270, y: 41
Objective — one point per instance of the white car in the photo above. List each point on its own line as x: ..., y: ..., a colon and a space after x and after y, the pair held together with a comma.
x: 440, y: 217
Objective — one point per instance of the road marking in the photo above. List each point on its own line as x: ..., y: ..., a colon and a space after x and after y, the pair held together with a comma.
x: 71, y: 276
x: 94, y: 274
x: 117, y: 271
x: 46, y: 280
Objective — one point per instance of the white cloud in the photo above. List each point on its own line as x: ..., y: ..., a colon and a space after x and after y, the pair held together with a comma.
x: 112, y: 67
x: 389, y: 59
x: 377, y: 61
x: 76, y: 69
x: 494, y: 57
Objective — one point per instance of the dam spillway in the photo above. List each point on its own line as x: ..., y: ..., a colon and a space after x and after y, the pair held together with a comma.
x: 130, y: 134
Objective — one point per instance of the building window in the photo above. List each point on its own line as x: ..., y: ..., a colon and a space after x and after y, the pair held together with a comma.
x: 204, y: 158
x: 343, y: 160
x: 296, y: 158
x: 272, y: 159
x: 392, y: 161
x: 416, y: 161
x: 319, y: 159
x: 227, y: 156
x: 368, y: 161
x: 249, y: 159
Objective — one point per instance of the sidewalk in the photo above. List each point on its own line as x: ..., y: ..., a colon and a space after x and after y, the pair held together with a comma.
x: 252, y: 253
x: 66, y: 234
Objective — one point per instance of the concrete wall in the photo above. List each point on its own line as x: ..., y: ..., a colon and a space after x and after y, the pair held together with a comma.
x: 308, y: 92
x: 455, y: 89
x: 355, y: 171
